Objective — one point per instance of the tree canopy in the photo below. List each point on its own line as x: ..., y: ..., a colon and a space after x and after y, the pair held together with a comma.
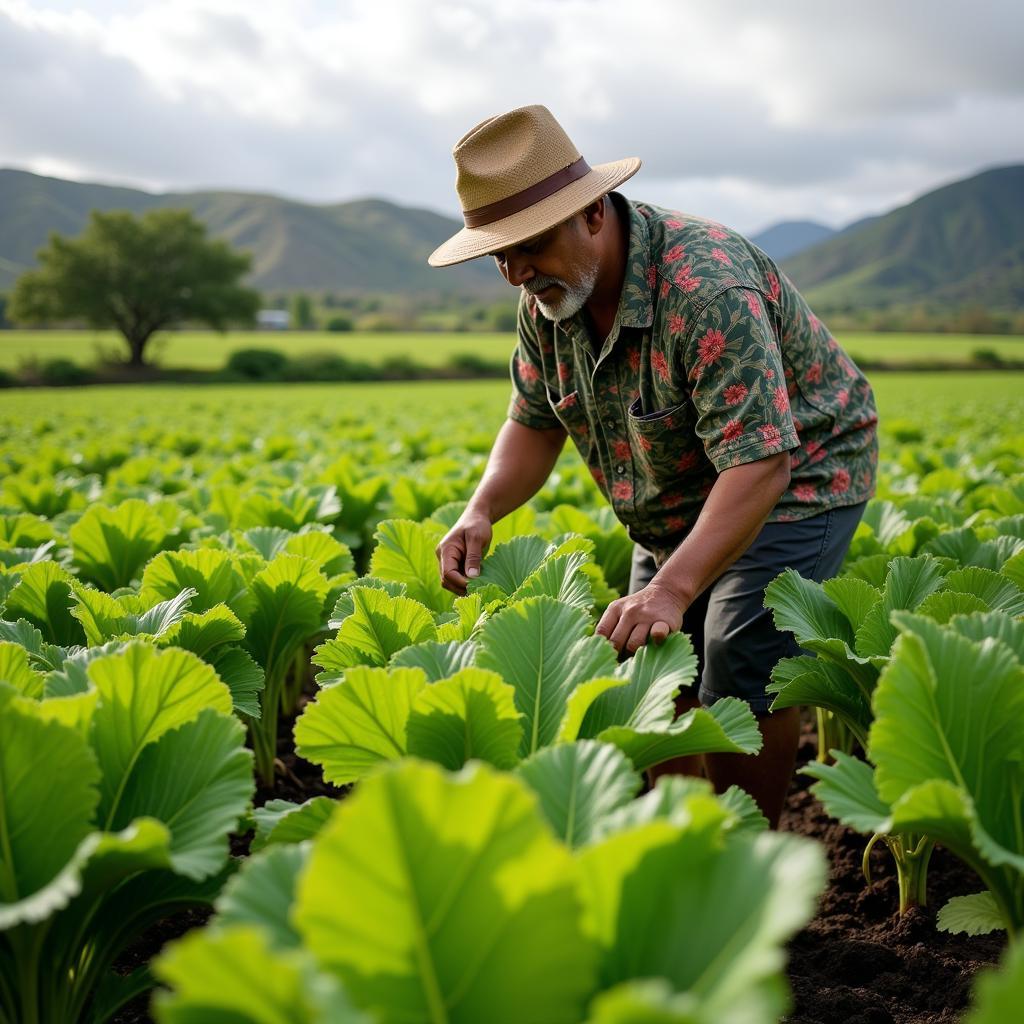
x: 138, y: 275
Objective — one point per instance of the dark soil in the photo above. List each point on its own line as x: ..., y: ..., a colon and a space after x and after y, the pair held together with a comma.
x: 857, y: 962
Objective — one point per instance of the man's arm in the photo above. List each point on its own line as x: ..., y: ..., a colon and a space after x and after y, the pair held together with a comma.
x: 519, y: 463
x: 739, y: 502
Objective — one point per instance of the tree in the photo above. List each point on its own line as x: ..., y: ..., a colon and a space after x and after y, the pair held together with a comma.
x: 302, y: 311
x: 137, y: 275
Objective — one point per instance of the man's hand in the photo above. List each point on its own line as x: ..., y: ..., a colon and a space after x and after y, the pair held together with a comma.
x: 461, y: 549
x: 651, y: 614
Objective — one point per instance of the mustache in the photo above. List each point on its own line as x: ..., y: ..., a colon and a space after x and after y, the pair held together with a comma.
x: 538, y: 284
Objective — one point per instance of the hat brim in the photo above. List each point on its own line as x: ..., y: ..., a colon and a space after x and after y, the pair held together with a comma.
x: 469, y: 243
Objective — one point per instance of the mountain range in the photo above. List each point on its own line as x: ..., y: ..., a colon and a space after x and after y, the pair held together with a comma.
x: 959, y: 244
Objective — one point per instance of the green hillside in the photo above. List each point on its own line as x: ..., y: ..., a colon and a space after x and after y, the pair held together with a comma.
x: 962, y: 244
x: 357, y: 247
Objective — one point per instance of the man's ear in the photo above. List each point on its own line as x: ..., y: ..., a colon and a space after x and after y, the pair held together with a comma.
x: 593, y: 215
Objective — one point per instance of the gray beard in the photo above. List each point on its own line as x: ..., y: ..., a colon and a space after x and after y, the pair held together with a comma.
x: 574, y: 297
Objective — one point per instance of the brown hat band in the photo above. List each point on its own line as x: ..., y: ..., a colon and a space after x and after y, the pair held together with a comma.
x: 528, y: 197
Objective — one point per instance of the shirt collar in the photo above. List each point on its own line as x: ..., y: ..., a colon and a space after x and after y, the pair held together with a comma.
x: 636, y: 308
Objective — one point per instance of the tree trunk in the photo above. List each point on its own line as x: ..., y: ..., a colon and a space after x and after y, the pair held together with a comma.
x: 137, y: 342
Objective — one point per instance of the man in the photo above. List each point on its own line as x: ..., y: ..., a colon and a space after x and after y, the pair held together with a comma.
x: 729, y: 431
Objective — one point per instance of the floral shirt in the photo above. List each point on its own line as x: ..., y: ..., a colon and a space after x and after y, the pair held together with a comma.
x: 714, y: 360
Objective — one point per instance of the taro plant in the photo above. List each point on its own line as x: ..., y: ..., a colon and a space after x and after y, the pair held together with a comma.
x: 534, y: 676
x: 288, y: 599
x: 430, y: 896
x: 945, y: 759
x: 115, y: 808
x: 847, y: 624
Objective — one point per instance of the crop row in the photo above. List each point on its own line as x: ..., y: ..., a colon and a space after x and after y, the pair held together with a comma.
x: 164, y: 595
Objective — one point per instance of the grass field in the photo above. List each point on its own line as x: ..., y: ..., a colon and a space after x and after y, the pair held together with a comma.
x: 209, y: 350
x: 898, y: 395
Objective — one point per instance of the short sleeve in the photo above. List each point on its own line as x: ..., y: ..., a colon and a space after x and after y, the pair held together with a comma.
x: 733, y: 365
x: 529, y: 403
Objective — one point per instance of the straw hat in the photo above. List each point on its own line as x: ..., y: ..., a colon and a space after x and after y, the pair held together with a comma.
x: 518, y: 175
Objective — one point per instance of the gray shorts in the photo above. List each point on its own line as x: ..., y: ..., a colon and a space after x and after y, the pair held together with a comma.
x: 733, y: 634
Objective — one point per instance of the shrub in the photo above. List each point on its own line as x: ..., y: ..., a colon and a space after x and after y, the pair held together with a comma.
x: 340, y: 323
x: 988, y: 356
x: 472, y: 365
x: 401, y: 368
x: 63, y: 373
x: 258, y: 363
x: 328, y: 366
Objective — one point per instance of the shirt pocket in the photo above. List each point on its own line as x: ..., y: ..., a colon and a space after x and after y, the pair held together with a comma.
x: 664, y: 442
x: 573, y: 416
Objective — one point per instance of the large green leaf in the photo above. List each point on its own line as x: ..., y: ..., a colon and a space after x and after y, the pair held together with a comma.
x: 999, y: 592
x: 16, y: 669
x: 48, y: 780
x: 815, y: 682
x: 670, y: 800
x: 72, y: 676
x: 541, y: 647
x: 852, y: 596
x: 143, y: 694
x: 976, y: 914
x: 472, y: 714
x: 379, y: 627
x: 947, y: 744
x: 997, y: 625
x: 560, y: 576
x: 438, y: 660
x: 909, y: 582
x: 706, y: 910
x: 197, y: 779
x: 203, y: 632
x: 235, y: 976
x: 652, y: 1001
x: 110, y: 545
x: 405, y: 552
x: 281, y: 821
x: 106, y: 618
x: 345, y: 605
x: 242, y: 676
x: 999, y: 995
x: 464, y: 621
x: 655, y: 674
x: 727, y: 726
x: 578, y: 784
x: 944, y: 604
x: 357, y: 723
x: 42, y: 596
x: 288, y: 597
x: 804, y: 609
x: 438, y: 897
x: 101, y: 861
x: 212, y: 574
x: 1013, y: 569
x: 847, y: 791
x: 507, y: 566
x: 262, y: 893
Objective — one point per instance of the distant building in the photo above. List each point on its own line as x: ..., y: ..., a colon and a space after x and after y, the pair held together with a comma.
x: 273, y: 319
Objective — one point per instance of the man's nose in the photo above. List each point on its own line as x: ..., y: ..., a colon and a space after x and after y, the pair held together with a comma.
x: 518, y: 269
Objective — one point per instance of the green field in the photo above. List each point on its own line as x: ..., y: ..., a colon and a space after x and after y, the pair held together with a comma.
x: 209, y: 350
x: 898, y: 395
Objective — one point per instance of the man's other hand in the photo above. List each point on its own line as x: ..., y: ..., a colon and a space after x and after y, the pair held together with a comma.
x: 649, y: 615
x: 461, y: 549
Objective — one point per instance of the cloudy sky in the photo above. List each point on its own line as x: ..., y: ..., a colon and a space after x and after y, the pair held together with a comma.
x: 745, y: 111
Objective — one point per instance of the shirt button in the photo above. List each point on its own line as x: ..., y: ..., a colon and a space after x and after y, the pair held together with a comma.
x: 620, y: 469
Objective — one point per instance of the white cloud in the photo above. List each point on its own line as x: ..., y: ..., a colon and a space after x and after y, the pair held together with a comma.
x: 742, y: 111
